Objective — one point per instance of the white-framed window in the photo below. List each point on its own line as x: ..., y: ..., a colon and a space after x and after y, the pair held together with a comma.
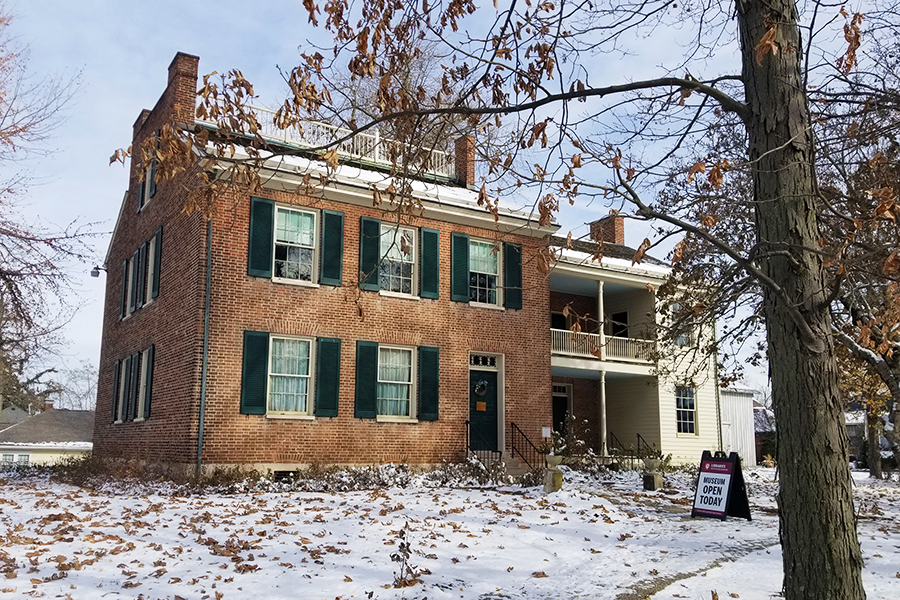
x: 484, y: 273
x: 396, y: 382
x: 683, y: 339
x: 23, y: 459
x: 149, y: 270
x: 397, y: 270
x: 9, y: 458
x: 290, y: 384
x: 296, y: 232
x: 140, y: 275
x: 685, y: 410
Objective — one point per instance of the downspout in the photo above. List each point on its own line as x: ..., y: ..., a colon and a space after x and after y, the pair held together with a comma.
x: 718, y: 401
x: 198, y: 468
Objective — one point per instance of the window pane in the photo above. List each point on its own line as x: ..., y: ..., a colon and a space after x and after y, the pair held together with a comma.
x: 289, y: 368
x: 294, y: 244
x: 394, y: 382
x: 398, y: 252
x: 483, y: 258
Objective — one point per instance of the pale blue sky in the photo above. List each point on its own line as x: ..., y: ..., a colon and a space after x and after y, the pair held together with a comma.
x: 122, y: 50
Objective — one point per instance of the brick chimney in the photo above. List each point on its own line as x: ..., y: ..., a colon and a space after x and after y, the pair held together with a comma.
x: 183, y: 86
x: 609, y: 230
x: 465, y: 161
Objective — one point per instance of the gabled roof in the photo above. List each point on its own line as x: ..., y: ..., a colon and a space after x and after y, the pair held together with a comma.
x: 610, y: 250
x: 52, y: 428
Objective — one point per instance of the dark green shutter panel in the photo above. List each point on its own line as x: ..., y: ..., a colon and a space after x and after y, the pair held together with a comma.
x: 135, y: 260
x: 512, y: 275
x: 135, y: 385
x: 151, y: 175
x: 429, y: 375
x: 429, y: 263
x: 141, y: 275
x: 126, y: 390
x: 255, y: 373
x: 124, y: 309
x: 366, y: 379
x: 149, y: 377
x: 459, y: 267
x: 328, y: 376
x: 332, y: 252
x: 141, y: 187
x: 369, y: 253
x: 115, y: 395
x: 156, y: 263
x: 262, y: 223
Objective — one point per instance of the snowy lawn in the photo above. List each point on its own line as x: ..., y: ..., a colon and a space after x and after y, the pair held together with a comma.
x: 597, y: 538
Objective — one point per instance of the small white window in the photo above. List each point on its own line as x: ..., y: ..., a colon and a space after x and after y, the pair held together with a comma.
x: 295, y: 245
x: 685, y: 410
x: 23, y: 459
x: 397, y: 269
x: 290, y: 375
x: 9, y: 458
x: 484, y: 273
x: 396, y: 390
x: 683, y: 339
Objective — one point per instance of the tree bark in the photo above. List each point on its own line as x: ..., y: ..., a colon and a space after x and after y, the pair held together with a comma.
x: 873, y: 451
x: 821, y: 553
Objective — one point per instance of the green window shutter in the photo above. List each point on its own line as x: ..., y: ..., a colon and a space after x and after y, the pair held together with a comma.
x: 149, y: 377
x: 115, y: 395
x: 328, y: 376
x: 126, y: 390
x: 135, y: 262
x: 124, y: 309
x: 459, y: 267
x: 369, y: 253
x: 255, y: 373
x: 135, y: 385
x: 429, y: 375
x: 262, y: 223
x: 366, y: 379
x: 156, y: 263
x: 141, y: 275
x: 512, y: 275
x: 332, y: 251
x: 429, y: 263
x: 141, y: 187
x: 151, y: 175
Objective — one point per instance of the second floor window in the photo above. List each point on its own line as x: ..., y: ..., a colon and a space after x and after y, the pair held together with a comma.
x: 397, y: 259
x: 397, y: 269
x: 485, y: 273
x: 295, y: 244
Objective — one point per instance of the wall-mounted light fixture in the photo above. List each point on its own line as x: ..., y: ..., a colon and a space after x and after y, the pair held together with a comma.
x: 95, y: 272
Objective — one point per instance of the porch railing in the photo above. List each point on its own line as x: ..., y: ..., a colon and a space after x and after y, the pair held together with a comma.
x: 521, y: 446
x: 362, y: 147
x: 478, y: 449
x: 591, y: 345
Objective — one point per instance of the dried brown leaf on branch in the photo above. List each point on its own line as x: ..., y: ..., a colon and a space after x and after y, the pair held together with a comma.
x: 767, y: 44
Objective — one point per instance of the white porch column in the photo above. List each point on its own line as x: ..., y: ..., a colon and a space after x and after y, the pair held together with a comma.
x: 603, y: 448
x: 601, y: 318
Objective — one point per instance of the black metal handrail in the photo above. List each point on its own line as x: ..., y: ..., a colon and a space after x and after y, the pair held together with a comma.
x: 525, y: 449
x: 485, y: 456
x: 642, y: 442
x: 612, y: 442
x: 624, y: 454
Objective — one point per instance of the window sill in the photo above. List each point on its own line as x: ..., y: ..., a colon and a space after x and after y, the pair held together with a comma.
x: 291, y: 417
x: 297, y: 282
x: 400, y: 295
x: 139, y: 420
x: 487, y: 306
x: 407, y: 420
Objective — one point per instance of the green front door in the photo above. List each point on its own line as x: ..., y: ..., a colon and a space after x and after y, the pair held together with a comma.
x: 483, y: 410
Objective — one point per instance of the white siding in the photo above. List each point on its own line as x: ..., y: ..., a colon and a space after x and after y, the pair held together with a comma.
x: 737, y: 424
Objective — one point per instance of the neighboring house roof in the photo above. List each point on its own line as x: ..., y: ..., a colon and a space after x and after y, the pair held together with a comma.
x: 52, y: 428
x: 763, y: 420
x: 12, y: 415
x: 610, y: 250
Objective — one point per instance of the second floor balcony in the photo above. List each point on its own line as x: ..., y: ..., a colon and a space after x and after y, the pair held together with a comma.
x: 601, y: 347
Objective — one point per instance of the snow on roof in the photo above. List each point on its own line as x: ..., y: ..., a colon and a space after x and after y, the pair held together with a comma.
x: 52, y: 427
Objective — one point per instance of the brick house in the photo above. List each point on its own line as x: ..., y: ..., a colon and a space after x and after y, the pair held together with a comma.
x: 293, y: 329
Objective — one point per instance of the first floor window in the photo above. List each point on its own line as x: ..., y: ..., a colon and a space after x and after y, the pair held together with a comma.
x: 290, y: 378
x: 484, y: 272
x: 8, y: 458
x: 397, y: 269
x: 295, y: 242
x: 395, y: 381
x: 23, y: 459
x: 685, y: 410
x: 133, y: 386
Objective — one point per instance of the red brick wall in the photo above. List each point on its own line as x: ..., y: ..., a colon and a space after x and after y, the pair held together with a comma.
x: 241, y: 302
x: 174, y: 323
x: 584, y: 307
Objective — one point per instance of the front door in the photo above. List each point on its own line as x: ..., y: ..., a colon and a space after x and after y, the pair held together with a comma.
x: 483, y: 410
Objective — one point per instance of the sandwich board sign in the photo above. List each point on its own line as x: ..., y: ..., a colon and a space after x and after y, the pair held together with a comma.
x: 721, y: 491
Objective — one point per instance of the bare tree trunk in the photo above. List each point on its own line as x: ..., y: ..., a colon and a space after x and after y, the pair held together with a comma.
x: 873, y: 436
x: 822, y: 559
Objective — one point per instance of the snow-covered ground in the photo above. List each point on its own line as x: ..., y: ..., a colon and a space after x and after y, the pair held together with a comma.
x: 596, y: 538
